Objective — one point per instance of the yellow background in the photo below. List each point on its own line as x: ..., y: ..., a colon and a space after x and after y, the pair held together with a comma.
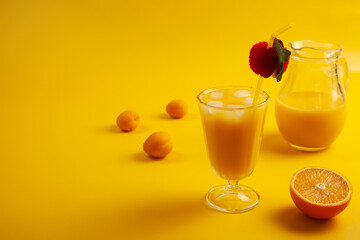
x: 68, y: 68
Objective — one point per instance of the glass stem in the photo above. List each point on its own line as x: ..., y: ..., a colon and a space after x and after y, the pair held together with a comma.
x: 233, y: 185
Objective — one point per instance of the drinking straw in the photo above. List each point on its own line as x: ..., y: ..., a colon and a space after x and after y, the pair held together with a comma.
x: 270, y: 43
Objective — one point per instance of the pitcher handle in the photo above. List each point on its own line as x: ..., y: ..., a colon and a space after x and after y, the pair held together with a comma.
x: 343, y: 73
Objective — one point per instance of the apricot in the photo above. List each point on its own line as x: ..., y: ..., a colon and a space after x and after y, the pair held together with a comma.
x: 177, y: 108
x: 128, y: 120
x: 158, y: 145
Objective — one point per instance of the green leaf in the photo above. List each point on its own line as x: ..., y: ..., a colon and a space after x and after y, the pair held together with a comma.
x: 283, y: 56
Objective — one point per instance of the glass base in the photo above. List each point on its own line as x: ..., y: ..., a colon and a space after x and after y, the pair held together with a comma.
x: 307, y: 149
x: 232, y: 199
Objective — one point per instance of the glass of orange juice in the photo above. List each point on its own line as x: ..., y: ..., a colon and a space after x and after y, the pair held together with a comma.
x: 233, y: 128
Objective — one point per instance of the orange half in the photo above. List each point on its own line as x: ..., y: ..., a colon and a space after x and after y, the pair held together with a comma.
x: 320, y: 193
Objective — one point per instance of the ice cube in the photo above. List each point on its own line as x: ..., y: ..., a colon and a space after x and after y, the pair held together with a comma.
x: 235, y: 114
x: 217, y: 95
x: 248, y: 101
x: 234, y: 106
x: 210, y: 109
x: 242, y: 93
x: 216, y: 104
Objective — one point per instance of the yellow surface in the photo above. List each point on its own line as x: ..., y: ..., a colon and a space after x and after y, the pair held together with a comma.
x: 68, y: 68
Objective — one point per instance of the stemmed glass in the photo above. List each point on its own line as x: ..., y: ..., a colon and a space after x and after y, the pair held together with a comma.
x: 233, y: 129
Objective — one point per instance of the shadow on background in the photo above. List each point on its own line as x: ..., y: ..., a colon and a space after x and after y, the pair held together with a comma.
x: 165, y: 116
x: 150, y: 219
x: 188, y: 116
x: 274, y: 143
x: 115, y: 129
x: 291, y: 219
x: 141, y: 156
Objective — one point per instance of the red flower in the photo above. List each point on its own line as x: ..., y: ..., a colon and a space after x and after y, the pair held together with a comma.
x: 263, y: 60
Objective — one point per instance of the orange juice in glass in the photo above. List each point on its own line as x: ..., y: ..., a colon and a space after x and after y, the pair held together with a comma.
x: 311, y: 106
x: 233, y: 129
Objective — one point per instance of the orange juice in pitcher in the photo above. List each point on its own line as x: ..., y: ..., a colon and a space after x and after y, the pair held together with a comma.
x: 311, y: 106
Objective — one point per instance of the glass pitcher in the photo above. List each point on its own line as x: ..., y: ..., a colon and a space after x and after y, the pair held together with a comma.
x: 311, y: 106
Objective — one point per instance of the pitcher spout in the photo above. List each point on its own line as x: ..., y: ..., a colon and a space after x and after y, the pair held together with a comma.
x: 315, y: 50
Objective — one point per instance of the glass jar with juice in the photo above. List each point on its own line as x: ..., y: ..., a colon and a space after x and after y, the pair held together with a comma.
x: 311, y: 106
